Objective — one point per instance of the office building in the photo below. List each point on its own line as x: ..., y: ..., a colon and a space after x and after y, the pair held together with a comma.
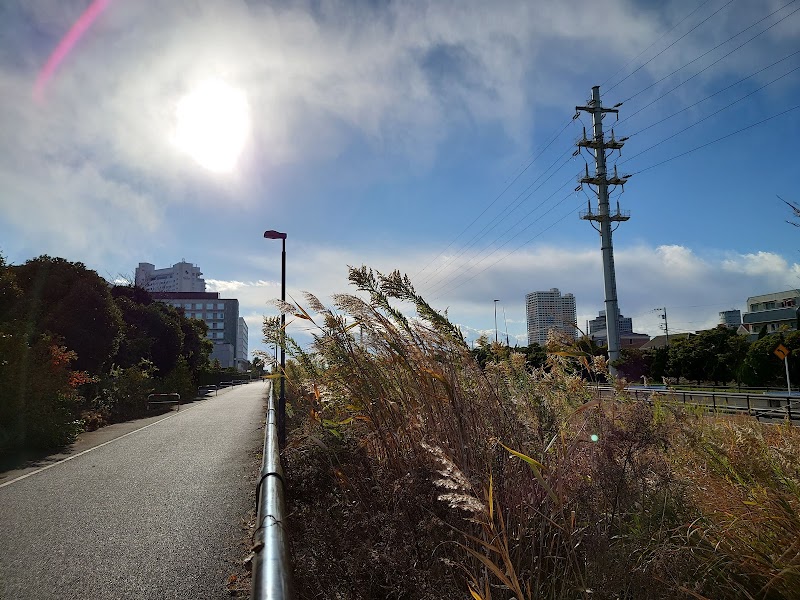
x: 730, y: 318
x: 598, y: 332
x: 550, y: 311
x: 597, y: 324
x: 180, y: 277
x: 226, y: 328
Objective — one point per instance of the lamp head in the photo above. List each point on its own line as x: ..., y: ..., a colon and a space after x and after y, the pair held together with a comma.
x: 274, y: 235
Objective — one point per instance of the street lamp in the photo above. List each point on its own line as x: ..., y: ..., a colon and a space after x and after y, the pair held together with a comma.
x: 277, y: 235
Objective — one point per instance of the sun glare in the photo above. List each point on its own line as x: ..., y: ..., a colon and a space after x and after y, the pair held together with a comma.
x: 213, y: 122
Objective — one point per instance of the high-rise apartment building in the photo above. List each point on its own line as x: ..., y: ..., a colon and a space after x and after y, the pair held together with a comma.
x: 180, y: 277
x: 550, y: 311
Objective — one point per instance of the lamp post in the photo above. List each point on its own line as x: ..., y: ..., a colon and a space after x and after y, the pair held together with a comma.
x: 495, y: 321
x: 277, y: 235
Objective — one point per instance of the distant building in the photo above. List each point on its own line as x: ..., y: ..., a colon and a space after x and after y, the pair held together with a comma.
x: 241, y: 344
x: 226, y: 328
x: 660, y: 341
x: 772, y: 312
x: 627, y: 338
x: 730, y: 318
x: 599, y: 324
x: 180, y: 277
x: 550, y: 311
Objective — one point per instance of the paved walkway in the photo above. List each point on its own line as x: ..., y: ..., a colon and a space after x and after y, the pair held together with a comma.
x: 148, y: 509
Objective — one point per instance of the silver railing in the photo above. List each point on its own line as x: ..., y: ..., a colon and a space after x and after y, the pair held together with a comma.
x: 758, y: 405
x: 272, y: 578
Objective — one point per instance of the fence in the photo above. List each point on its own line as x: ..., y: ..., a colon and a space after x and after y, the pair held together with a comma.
x: 758, y: 405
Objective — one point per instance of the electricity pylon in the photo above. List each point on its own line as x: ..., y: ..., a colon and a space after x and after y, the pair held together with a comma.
x: 603, y: 215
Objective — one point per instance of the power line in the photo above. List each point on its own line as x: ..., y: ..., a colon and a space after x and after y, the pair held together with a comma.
x: 499, y: 218
x: 513, y: 181
x: 714, y: 114
x: 661, y: 96
x: 663, y: 35
x: 724, y: 6
x: 724, y: 137
x: 465, y: 268
x: 571, y: 212
x: 796, y: 52
x: 722, y: 44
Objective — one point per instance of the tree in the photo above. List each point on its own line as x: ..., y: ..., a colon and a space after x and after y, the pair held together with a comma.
x: 763, y: 368
x: 71, y: 302
x: 153, y: 332
x: 634, y: 363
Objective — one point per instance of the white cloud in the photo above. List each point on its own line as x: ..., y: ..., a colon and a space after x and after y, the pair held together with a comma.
x: 694, y: 288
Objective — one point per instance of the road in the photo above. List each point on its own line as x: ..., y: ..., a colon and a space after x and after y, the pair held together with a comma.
x: 153, y: 513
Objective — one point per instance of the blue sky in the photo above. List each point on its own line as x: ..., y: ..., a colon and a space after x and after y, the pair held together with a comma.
x: 385, y: 134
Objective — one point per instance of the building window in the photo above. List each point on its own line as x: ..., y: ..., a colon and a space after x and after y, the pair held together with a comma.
x: 209, y: 306
x: 220, y: 305
x: 753, y: 307
x: 188, y: 305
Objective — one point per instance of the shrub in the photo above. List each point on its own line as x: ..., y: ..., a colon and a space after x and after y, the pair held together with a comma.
x: 38, y: 397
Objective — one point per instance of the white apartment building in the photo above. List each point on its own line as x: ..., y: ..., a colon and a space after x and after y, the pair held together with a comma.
x: 180, y: 277
x: 772, y: 312
x: 550, y: 311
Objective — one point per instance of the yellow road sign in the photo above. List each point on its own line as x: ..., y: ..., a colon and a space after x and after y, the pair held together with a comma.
x: 781, y: 351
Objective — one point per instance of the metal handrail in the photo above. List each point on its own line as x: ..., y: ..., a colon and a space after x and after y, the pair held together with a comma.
x: 788, y: 410
x: 272, y: 576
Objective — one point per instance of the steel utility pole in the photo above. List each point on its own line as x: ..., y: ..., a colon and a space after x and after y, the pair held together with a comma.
x: 665, y: 326
x: 603, y: 215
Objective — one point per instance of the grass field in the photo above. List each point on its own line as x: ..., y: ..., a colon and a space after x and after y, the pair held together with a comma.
x: 413, y: 473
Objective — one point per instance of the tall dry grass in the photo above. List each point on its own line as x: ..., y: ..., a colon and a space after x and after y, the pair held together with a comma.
x: 529, y: 485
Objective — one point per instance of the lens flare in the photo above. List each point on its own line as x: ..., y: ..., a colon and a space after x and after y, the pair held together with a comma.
x: 66, y: 45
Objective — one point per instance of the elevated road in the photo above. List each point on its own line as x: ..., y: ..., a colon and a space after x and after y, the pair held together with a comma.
x: 153, y: 513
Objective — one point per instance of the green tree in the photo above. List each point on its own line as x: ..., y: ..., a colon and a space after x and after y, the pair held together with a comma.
x: 634, y: 363
x: 38, y: 395
x: 763, y: 368
x: 71, y: 302
x: 152, y: 332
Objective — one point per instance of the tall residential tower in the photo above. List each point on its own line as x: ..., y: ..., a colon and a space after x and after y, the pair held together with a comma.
x: 550, y: 311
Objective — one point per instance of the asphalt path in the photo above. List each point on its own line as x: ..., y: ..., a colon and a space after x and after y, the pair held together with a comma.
x: 153, y: 510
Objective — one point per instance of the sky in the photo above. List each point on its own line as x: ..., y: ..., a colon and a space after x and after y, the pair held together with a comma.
x: 433, y: 137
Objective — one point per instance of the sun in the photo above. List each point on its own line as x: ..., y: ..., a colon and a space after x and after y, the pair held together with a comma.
x: 212, y: 125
